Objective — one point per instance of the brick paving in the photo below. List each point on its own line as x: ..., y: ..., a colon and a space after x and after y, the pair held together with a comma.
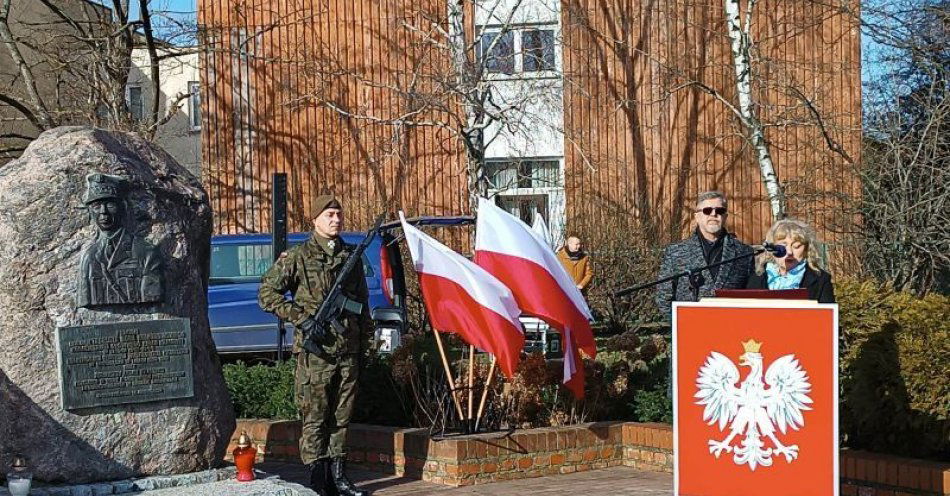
x: 611, y: 481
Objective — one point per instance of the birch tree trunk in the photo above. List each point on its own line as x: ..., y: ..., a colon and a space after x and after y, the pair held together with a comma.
x: 741, y: 48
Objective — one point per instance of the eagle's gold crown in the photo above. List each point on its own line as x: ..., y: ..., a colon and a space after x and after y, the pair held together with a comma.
x: 751, y: 346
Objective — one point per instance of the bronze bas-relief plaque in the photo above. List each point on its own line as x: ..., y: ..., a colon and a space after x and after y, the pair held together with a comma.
x: 125, y: 362
x: 118, y: 267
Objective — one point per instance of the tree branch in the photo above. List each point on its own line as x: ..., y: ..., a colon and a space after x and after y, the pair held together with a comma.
x: 832, y: 144
x: 42, y: 117
x: 153, y: 65
x: 83, y: 35
x: 23, y: 109
x: 172, y: 108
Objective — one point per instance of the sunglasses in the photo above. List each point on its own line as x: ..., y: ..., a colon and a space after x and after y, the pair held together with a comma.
x: 709, y: 210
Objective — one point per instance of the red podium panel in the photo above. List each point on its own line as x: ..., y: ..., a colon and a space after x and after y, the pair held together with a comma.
x: 755, y: 398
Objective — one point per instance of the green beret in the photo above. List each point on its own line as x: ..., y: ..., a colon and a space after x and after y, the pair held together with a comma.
x: 324, y: 202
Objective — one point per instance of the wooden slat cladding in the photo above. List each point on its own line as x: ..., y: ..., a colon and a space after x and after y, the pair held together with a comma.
x: 271, y: 65
x: 642, y: 141
x: 638, y: 141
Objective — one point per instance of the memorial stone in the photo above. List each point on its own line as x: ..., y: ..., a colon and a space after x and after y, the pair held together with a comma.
x: 107, y: 365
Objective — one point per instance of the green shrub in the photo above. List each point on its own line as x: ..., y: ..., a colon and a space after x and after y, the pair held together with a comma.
x: 267, y: 391
x: 895, y: 370
x: 262, y: 391
x: 653, y: 406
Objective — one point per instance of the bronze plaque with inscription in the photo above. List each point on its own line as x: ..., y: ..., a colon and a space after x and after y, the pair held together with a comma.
x: 125, y: 362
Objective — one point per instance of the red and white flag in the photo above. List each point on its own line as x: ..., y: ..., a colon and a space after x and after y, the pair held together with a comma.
x: 463, y: 298
x: 522, y: 260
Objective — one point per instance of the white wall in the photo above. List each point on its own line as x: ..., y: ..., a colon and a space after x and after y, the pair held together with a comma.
x: 535, y: 129
x: 497, y: 12
x: 175, y: 136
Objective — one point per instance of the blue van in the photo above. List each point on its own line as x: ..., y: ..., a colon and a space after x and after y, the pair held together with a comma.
x: 238, y: 324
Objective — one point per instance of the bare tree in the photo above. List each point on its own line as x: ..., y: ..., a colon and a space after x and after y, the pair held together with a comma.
x: 765, y: 99
x: 71, y: 64
x: 460, y: 82
x: 436, y: 68
x: 906, y: 168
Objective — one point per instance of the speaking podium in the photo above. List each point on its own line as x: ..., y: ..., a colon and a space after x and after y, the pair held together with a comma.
x: 755, y: 397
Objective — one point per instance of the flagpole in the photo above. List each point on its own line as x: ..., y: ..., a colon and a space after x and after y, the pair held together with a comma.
x: 481, y: 404
x: 448, y: 374
x: 471, y: 382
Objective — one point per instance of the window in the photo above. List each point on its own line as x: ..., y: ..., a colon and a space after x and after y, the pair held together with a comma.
x: 524, y: 206
x: 194, y: 105
x: 236, y: 263
x: 537, y: 46
x: 520, y: 50
x: 500, y: 58
x: 504, y: 175
x: 134, y: 101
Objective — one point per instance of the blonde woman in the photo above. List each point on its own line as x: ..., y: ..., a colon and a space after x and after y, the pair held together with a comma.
x: 796, y: 269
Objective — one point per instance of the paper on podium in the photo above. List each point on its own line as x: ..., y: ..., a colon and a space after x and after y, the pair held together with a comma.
x: 759, y: 302
x: 769, y: 294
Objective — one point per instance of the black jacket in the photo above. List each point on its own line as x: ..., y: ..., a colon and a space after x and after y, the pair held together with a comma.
x: 818, y: 284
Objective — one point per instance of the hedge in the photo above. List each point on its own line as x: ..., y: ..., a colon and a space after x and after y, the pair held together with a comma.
x: 894, y: 370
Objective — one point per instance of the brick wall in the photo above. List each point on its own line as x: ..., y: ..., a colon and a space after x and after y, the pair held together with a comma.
x: 482, y: 458
x: 872, y: 474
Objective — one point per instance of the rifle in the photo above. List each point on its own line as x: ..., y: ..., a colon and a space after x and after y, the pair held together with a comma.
x: 327, y: 317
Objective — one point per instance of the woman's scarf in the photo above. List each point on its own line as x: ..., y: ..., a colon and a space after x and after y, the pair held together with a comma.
x: 791, y: 280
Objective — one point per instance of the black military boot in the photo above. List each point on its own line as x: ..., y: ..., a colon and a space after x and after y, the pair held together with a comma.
x: 320, y: 480
x: 342, y: 484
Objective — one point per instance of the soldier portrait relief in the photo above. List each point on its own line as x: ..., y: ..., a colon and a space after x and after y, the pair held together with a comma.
x: 118, y: 267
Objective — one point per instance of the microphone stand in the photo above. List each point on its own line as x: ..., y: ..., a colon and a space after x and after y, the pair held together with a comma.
x: 695, y: 277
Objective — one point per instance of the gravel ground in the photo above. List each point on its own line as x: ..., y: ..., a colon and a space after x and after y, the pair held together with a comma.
x: 272, y: 486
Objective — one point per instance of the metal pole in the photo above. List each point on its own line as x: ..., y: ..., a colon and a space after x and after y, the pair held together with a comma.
x: 279, y: 240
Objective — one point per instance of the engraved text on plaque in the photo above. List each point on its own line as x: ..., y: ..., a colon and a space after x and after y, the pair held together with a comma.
x: 125, y: 362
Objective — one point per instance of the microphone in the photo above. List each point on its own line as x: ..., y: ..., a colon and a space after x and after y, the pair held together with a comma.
x: 778, y: 251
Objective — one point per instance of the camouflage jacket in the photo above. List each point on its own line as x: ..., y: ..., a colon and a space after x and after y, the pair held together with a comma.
x: 307, y: 272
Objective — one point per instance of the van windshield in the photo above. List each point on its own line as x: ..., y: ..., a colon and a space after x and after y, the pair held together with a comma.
x: 237, y: 262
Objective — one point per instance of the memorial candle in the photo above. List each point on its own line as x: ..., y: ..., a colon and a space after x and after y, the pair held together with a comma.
x: 19, y: 487
x: 20, y: 479
x: 244, y: 456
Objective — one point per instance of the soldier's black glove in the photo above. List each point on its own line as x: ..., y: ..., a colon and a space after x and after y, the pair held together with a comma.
x: 309, y: 327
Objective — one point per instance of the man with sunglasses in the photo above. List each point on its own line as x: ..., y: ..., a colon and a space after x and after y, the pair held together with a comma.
x: 710, y: 243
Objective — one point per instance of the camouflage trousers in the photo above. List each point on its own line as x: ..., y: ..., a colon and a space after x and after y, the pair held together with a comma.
x: 325, y: 394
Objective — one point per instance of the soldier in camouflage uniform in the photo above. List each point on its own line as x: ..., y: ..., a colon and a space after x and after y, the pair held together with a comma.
x: 325, y: 385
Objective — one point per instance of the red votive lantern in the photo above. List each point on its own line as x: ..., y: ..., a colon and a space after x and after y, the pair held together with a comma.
x: 244, y: 457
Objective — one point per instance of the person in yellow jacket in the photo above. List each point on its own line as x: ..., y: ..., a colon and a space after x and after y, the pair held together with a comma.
x: 577, y: 263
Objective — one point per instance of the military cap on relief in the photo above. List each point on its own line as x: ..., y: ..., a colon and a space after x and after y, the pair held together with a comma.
x: 102, y: 186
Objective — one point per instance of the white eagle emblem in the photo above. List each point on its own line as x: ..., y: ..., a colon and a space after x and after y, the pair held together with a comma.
x: 754, y: 408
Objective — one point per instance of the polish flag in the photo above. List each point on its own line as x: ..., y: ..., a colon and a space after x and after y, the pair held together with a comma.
x: 522, y: 260
x: 463, y: 298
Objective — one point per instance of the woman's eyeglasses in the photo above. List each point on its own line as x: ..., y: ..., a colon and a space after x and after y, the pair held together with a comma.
x: 709, y: 210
